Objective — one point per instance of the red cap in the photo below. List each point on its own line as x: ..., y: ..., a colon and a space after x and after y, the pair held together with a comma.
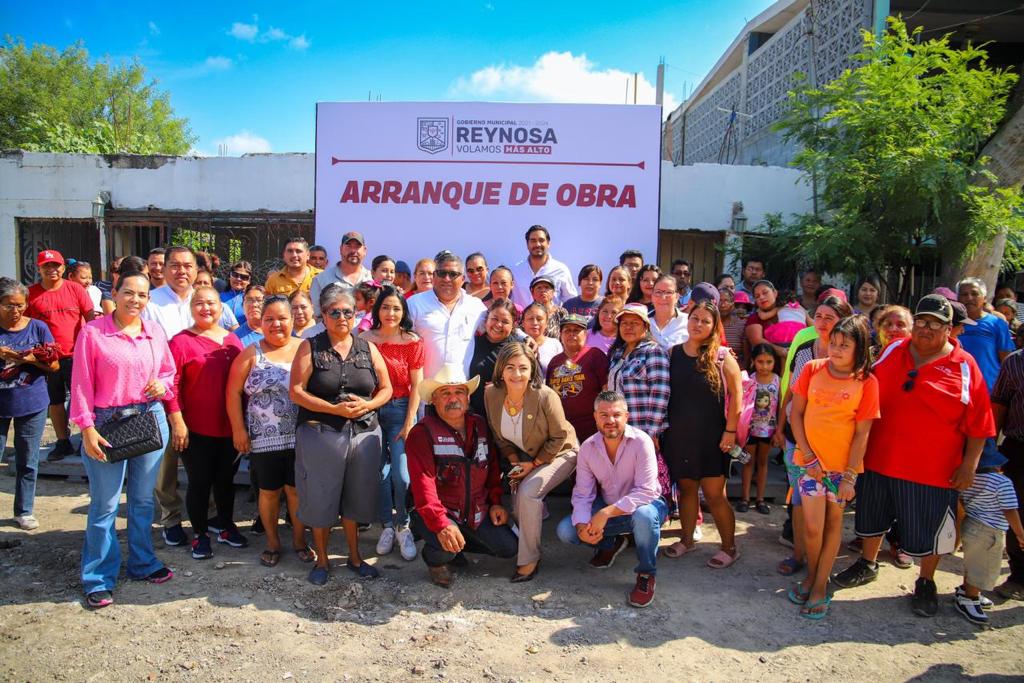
x: 49, y: 256
x: 837, y: 293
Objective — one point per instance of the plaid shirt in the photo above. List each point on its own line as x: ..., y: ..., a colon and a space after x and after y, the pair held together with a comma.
x: 644, y: 380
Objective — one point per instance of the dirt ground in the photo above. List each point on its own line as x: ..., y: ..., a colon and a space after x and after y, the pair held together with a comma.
x: 231, y: 619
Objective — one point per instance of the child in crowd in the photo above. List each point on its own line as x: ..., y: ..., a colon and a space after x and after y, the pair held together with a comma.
x: 834, y: 402
x: 991, y: 508
x: 81, y: 272
x: 792, y: 319
x: 761, y: 404
x: 365, y: 296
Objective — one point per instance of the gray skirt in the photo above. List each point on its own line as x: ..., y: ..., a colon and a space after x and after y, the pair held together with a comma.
x: 333, y: 468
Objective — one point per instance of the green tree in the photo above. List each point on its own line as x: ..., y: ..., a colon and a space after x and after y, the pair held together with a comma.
x: 894, y: 150
x: 54, y: 101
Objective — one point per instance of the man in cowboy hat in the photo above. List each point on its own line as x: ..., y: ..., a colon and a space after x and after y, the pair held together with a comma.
x: 455, y: 479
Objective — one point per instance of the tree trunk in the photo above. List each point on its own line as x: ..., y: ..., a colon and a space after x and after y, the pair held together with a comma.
x: 1006, y: 152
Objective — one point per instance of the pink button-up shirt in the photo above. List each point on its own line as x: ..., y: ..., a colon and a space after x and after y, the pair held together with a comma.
x: 112, y: 369
x: 628, y: 483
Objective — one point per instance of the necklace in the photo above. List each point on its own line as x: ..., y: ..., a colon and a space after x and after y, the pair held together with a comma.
x: 513, y: 409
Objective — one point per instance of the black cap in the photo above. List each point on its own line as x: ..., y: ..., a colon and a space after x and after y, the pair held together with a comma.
x: 936, y: 306
x: 960, y: 316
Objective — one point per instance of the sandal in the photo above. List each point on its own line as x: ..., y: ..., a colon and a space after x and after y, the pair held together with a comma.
x: 306, y: 554
x: 723, y: 560
x: 797, y: 595
x: 678, y: 549
x: 762, y: 507
x: 825, y: 602
x: 270, y: 558
x: 743, y: 506
x: 789, y: 566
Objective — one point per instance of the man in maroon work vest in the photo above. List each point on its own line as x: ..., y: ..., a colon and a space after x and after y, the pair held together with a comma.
x: 455, y: 479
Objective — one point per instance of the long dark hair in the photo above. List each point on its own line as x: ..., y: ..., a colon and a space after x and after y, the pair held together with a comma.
x: 763, y: 349
x: 707, y: 353
x: 405, y: 325
x: 855, y: 328
x: 636, y: 295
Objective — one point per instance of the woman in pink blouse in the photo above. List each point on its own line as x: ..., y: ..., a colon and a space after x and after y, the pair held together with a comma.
x: 122, y: 365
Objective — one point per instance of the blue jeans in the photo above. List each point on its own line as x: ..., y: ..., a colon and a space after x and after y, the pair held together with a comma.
x: 28, y: 433
x: 394, y: 470
x: 101, y: 555
x: 645, y: 525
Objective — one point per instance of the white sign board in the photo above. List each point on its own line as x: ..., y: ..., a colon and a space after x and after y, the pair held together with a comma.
x: 416, y: 178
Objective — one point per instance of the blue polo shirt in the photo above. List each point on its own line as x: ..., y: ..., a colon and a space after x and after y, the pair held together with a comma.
x: 984, y: 341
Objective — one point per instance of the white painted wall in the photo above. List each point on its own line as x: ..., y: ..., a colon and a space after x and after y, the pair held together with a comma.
x: 697, y: 197
x: 700, y: 197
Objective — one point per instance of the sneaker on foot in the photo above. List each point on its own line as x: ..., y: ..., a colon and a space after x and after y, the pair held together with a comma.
x: 201, y: 548
x: 698, y: 534
x: 26, y: 522
x: 257, y: 527
x: 643, y: 592
x: 603, y: 558
x: 441, y: 576
x: 970, y: 609
x: 161, y: 575
x: 857, y: 574
x: 982, y: 600
x: 60, y: 450
x: 233, y: 538
x: 363, y: 571
x: 925, y: 602
x: 175, y: 535
x: 407, y: 544
x: 387, y: 541
x: 215, y: 526
x: 98, y: 599
x: 900, y: 559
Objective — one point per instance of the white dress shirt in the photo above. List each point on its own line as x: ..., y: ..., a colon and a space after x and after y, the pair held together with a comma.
x: 334, y: 275
x: 171, y: 313
x: 523, y: 274
x: 675, y: 331
x: 448, y: 337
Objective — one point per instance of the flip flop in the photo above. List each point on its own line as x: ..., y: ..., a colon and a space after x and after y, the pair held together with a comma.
x: 306, y: 554
x: 270, y: 558
x: 723, y: 560
x: 816, y: 616
x: 797, y: 596
x: 674, y: 551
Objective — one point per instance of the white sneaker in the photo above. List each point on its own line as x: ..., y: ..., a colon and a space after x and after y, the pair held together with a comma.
x: 971, y: 610
x: 386, y: 542
x: 698, y: 534
x: 26, y: 522
x: 407, y: 544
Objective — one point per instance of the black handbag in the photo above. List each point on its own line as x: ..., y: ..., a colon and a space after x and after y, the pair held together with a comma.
x: 133, y: 431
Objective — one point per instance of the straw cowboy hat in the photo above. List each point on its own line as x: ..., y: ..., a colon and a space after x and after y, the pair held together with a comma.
x: 447, y: 376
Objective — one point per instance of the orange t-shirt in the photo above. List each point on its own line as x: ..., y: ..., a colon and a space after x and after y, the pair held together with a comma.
x: 834, y: 406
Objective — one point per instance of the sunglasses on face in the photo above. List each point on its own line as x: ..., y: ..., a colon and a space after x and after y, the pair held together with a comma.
x: 447, y: 274
x: 933, y: 325
x: 243, y: 277
x: 339, y: 313
x: 476, y: 270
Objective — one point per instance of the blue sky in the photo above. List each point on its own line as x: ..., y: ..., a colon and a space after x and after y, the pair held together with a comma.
x: 247, y: 75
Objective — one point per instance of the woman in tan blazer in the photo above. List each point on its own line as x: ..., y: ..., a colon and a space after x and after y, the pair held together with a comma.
x: 530, y: 429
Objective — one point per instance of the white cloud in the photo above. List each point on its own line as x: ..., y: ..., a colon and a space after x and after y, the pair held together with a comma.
x: 251, y: 34
x: 213, y: 64
x: 242, y: 142
x: 218, y: 63
x: 244, y: 31
x: 558, y: 77
x: 154, y: 30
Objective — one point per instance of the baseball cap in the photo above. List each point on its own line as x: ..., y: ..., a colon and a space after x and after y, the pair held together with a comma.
x: 832, y: 291
x: 353, y: 235
x: 573, y: 319
x: 960, y: 316
x: 639, y: 310
x: 705, y: 291
x: 740, y: 298
x: 542, y: 278
x: 49, y: 256
x: 945, y: 292
x: 402, y: 267
x: 936, y: 306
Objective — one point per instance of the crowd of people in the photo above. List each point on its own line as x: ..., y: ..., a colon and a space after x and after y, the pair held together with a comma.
x: 420, y: 399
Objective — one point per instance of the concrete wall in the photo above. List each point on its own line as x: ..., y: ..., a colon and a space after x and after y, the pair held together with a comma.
x: 64, y: 186
x: 697, y: 197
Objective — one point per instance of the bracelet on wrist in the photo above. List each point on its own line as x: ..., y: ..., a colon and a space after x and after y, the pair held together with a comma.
x: 730, y: 431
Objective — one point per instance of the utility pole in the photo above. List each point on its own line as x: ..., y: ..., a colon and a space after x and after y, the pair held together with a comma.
x: 635, y: 78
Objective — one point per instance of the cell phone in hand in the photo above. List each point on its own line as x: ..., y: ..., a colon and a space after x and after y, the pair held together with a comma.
x: 515, y: 471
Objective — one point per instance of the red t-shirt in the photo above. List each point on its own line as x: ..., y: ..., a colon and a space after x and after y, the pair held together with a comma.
x: 578, y: 385
x: 922, y: 432
x: 400, y: 360
x: 201, y: 381
x: 63, y: 310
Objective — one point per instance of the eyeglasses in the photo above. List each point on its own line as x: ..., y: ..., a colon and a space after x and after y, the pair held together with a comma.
x: 338, y: 313
x: 909, y: 384
x: 252, y: 301
x: 14, y: 307
x: 934, y: 325
x: 663, y: 292
x: 447, y: 274
x: 243, y: 277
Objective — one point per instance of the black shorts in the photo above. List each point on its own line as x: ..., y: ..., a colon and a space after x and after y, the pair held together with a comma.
x: 754, y: 440
x: 926, y: 515
x: 274, y: 469
x: 58, y: 384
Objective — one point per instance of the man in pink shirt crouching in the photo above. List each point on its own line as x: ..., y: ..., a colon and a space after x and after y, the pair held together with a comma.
x: 616, y: 494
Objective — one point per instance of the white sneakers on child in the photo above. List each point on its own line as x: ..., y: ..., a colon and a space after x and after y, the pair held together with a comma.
x: 406, y: 544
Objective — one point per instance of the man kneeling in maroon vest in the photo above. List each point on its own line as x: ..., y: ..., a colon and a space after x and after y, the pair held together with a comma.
x: 455, y: 479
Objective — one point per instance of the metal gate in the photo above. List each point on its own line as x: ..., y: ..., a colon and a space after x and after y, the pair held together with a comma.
x: 73, y: 238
